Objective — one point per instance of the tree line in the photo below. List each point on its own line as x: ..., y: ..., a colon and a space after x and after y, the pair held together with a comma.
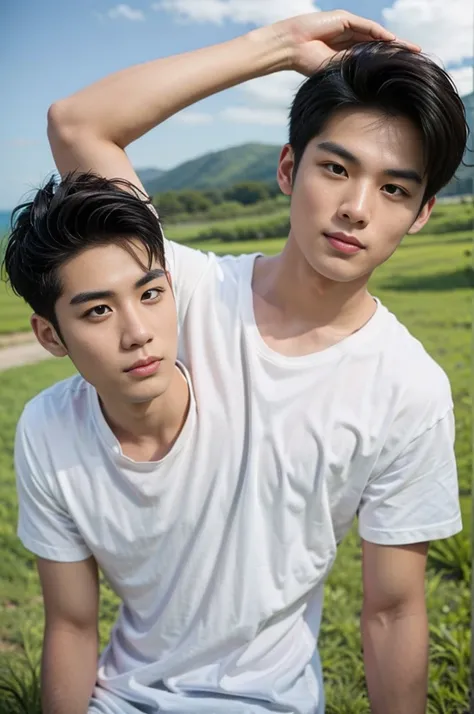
x: 192, y: 201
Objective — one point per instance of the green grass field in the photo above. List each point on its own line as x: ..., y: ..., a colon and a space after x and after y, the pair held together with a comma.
x: 428, y: 284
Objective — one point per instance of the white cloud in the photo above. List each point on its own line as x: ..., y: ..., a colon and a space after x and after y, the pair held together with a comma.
x: 270, y: 99
x: 463, y: 79
x: 275, y: 90
x: 126, y: 12
x: 257, y: 115
x: 254, y: 12
x: 194, y: 118
x: 442, y: 29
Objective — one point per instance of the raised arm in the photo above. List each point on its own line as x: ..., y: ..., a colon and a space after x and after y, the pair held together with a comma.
x: 90, y: 130
x: 70, y: 646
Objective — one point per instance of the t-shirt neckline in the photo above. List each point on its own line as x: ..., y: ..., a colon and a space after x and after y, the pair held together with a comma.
x: 352, y: 342
x: 108, y: 437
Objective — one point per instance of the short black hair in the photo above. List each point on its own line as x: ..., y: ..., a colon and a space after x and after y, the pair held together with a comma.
x: 396, y: 81
x: 64, y: 218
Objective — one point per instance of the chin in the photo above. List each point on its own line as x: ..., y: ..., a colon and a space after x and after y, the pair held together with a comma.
x: 142, y: 396
x: 333, y: 274
x: 338, y: 270
x: 144, y: 392
x: 141, y: 399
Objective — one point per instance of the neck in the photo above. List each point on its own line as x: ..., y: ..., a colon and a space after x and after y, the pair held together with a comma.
x: 147, y: 430
x: 290, y: 284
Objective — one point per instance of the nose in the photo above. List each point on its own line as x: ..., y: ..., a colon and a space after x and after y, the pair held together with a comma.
x: 355, y: 207
x: 136, y: 331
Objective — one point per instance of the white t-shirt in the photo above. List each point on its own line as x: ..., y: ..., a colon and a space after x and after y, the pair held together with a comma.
x: 219, y: 551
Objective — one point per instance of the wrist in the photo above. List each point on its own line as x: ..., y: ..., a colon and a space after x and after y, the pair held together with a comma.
x: 273, y: 51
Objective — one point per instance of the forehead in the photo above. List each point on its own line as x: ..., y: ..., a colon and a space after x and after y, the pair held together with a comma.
x: 105, y: 267
x: 376, y: 138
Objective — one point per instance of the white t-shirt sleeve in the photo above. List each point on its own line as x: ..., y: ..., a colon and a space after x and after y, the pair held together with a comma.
x: 187, y: 268
x: 416, y: 498
x: 44, y: 525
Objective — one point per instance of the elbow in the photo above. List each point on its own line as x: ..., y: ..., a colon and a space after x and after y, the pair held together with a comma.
x: 386, y: 614
x: 62, y: 123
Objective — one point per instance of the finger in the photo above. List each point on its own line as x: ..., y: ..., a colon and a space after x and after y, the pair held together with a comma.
x: 409, y: 45
x: 348, y: 40
x: 364, y: 26
x: 330, y: 25
x: 361, y: 26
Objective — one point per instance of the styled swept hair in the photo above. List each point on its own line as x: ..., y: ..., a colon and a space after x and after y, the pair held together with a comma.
x: 66, y: 217
x: 397, y: 82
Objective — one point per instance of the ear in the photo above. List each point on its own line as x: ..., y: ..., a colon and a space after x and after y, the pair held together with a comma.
x: 47, y: 336
x: 286, y: 165
x: 423, y: 216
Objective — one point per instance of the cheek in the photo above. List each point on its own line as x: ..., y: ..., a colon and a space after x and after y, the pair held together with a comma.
x: 313, y: 199
x: 393, y: 225
x: 89, y: 350
x: 167, y: 319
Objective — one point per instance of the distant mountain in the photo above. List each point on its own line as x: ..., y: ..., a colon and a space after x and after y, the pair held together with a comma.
x: 248, y: 162
x: 148, y: 175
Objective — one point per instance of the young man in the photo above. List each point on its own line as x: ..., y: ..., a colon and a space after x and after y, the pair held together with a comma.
x: 323, y: 407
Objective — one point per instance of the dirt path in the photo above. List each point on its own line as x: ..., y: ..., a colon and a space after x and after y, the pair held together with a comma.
x: 16, y: 338
x: 20, y: 349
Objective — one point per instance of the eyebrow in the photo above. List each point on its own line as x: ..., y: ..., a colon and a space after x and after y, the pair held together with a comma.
x: 408, y: 174
x: 91, y: 295
x: 333, y: 148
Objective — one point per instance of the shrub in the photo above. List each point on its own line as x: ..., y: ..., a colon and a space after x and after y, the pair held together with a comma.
x: 272, y: 228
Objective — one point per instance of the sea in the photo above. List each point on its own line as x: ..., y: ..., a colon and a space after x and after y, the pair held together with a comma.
x: 4, y: 222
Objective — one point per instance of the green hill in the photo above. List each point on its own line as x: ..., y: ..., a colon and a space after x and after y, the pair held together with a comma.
x: 248, y: 162
x: 148, y: 175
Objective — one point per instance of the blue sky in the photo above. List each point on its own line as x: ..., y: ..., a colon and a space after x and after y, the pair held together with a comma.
x: 53, y: 47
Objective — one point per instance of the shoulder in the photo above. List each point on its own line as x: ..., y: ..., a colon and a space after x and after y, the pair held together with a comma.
x: 419, y: 387
x: 412, y: 364
x: 55, y: 408
x: 185, y: 261
x: 194, y: 272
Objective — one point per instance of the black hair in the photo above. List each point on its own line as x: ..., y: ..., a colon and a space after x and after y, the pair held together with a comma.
x: 80, y: 211
x: 396, y: 81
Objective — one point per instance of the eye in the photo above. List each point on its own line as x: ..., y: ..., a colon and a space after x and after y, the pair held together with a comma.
x: 98, y: 311
x: 393, y: 190
x: 152, y: 294
x: 336, y: 169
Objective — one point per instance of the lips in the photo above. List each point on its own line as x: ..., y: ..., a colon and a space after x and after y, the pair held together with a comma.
x: 344, y: 244
x: 142, y: 363
x: 345, y: 238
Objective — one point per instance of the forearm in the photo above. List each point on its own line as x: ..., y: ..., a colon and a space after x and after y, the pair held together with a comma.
x: 156, y: 90
x: 69, y: 669
x: 396, y: 662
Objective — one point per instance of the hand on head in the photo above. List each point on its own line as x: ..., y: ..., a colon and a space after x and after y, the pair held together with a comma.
x: 314, y: 38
